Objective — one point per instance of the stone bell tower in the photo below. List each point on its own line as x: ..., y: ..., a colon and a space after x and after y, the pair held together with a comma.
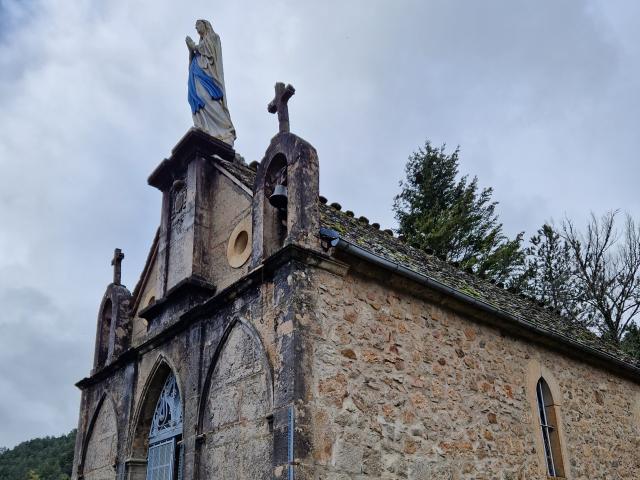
x: 285, y: 205
x: 113, y: 334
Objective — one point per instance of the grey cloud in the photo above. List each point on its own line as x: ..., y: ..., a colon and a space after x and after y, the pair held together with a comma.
x: 41, y: 348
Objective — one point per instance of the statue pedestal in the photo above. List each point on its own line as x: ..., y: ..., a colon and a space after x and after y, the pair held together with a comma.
x: 185, y: 180
x: 194, y: 143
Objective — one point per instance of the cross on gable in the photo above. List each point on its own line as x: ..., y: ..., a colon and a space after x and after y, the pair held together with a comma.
x: 118, y: 256
x: 279, y: 104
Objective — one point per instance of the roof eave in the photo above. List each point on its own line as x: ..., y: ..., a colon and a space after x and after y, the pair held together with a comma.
x: 610, y: 360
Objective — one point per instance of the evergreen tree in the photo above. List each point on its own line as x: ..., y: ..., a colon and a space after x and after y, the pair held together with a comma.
x: 631, y: 341
x: 551, y: 275
x: 451, y: 217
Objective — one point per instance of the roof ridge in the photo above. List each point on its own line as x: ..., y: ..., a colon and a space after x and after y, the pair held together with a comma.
x: 143, y: 274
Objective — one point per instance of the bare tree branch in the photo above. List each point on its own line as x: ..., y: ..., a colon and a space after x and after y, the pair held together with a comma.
x: 608, y: 269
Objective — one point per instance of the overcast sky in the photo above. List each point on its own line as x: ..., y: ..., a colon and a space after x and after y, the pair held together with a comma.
x: 541, y: 96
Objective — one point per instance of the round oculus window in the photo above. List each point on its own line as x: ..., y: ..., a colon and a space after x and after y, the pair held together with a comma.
x: 239, y: 246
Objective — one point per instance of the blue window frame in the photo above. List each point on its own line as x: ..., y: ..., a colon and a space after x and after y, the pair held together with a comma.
x: 164, y: 461
x: 160, y: 465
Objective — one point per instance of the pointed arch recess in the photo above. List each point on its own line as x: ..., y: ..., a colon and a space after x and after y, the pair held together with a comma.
x: 255, y: 336
x: 235, y: 408
x: 138, y: 441
x: 100, y: 445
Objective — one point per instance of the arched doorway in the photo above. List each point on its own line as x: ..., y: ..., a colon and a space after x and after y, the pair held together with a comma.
x: 165, y: 457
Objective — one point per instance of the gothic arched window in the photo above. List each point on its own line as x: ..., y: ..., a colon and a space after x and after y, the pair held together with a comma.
x: 165, y: 437
x: 549, y: 428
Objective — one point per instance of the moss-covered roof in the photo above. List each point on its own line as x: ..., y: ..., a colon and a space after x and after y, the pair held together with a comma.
x: 391, y: 248
x: 239, y: 170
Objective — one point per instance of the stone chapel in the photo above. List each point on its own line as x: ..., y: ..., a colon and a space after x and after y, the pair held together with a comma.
x: 273, y: 335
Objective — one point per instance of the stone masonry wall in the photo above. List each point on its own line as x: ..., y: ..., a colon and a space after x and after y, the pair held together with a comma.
x: 404, y: 389
x: 190, y: 355
x: 235, y: 420
x: 102, y: 447
x: 235, y: 370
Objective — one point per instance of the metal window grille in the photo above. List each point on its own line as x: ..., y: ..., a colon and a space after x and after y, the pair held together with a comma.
x: 167, y: 417
x: 160, y: 463
x: 165, y: 458
x: 547, y: 429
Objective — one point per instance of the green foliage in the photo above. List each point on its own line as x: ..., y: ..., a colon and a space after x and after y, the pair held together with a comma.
x: 453, y: 218
x: 551, y: 275
x: 631, y: 341
x: 591, y: 277
x: 48, y: 458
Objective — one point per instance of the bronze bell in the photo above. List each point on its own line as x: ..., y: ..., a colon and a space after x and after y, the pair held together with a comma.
x: 279, y: 197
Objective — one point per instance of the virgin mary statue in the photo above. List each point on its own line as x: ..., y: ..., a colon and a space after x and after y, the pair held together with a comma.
x: 207, y: 95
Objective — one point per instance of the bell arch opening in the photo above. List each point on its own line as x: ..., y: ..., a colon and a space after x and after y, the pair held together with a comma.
x: 104, y: 340
x: 275, y: 205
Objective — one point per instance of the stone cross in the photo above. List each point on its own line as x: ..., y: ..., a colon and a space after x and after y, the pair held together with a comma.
x: 118, y: 256
x: 279, y: 104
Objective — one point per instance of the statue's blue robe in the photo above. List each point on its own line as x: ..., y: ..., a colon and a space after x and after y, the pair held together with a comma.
x: 209, y: 84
